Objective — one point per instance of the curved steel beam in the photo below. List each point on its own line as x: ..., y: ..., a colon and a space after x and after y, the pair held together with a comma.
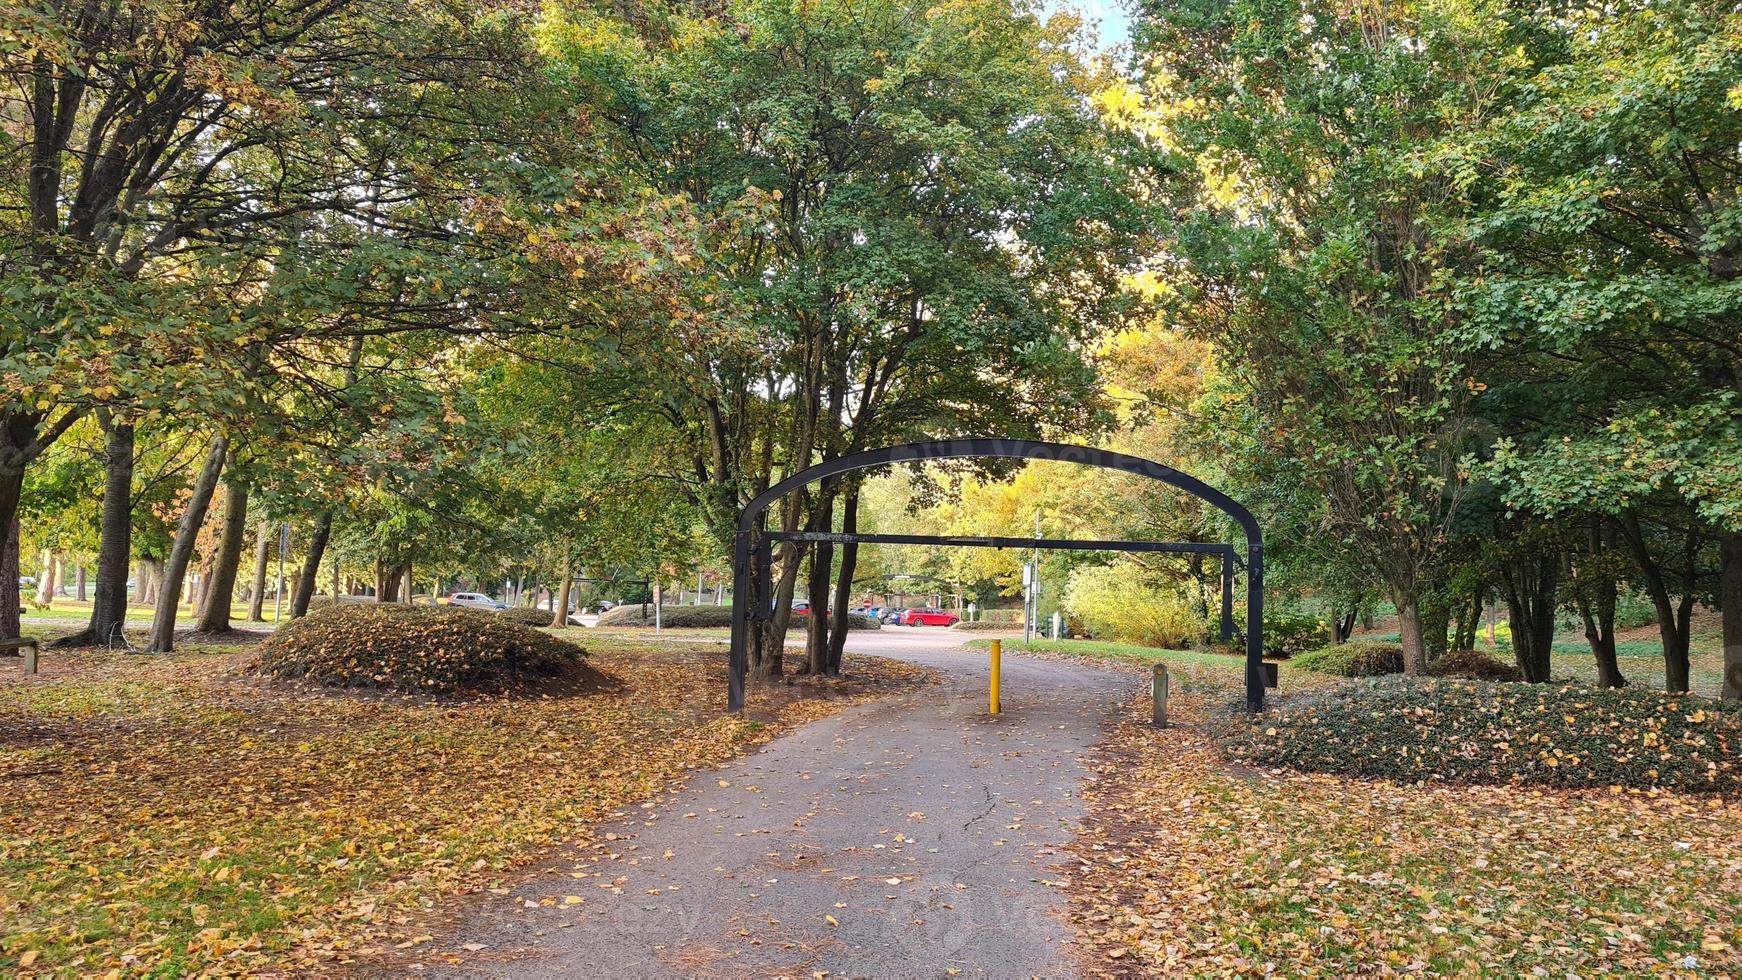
x: 750, y: 526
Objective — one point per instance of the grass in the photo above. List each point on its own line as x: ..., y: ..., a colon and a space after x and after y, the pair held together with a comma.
x: 163, y: 815
x: 1188, y: 864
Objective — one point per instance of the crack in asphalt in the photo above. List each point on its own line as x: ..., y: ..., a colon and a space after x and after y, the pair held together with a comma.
x: 991, y: 804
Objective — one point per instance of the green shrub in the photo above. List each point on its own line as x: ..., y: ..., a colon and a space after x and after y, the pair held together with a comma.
x: 1113, y: 603
x: 703, y: 616
x: 527, y: 616
x: 986, y: 625
x: 1353, y: 660
x: 1286, y: 635
x: 1472, y: 731
x: 1473, y: 665
x: 440, y: 648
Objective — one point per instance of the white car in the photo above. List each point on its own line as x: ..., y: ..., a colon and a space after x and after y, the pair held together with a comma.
x: 475, y: 600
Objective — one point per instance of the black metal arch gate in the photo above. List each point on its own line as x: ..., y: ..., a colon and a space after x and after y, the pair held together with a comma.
x: 752, y: 552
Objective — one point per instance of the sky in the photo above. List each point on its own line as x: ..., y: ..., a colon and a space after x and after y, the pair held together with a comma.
x: 1106, y: 18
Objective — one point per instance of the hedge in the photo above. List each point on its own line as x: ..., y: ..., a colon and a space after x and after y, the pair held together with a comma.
x: 700, y: 616
x: 984, y: 626
x: 1353, y: 660
x: 443, y: 648
x: 527, y: 616
x: 1473, y: 665
x: 1572, y: 735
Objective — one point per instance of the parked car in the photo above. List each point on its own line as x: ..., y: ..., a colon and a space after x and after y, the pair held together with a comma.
x: 928, y: 617
x: 801, y: 607
x: 891, y: 615
x: 475, y: 600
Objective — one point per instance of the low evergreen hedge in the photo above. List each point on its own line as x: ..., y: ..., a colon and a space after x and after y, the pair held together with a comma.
x: 1572, y: 735
x: 1353, y: 660
x: 426, y: 648
x: 701, y: 616
x: 1473, y: 665
x: 527, y: 616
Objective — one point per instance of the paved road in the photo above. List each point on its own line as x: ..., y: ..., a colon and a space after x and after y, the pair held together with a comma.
x: 927, y: 829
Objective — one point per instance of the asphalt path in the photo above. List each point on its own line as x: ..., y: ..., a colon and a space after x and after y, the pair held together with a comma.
x: 916, y: 836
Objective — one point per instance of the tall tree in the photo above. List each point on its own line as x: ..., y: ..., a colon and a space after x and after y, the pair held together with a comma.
x: 1306, y: 244
x: 1613, y: 256
x: 909, y: 220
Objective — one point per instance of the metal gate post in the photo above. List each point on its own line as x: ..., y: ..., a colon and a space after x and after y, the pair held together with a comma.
x: 1254, y: 623
x: 738, y: 664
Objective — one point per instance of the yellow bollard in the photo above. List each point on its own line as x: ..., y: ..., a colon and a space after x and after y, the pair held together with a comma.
x: 997, y: 668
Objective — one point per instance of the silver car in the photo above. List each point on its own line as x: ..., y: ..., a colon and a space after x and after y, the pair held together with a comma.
x: 475, y: 600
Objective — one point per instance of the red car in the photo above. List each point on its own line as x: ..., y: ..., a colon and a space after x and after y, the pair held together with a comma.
x: 928, y: 617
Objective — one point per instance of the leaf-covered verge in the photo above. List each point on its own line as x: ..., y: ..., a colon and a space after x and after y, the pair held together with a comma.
x: 163, y: 815
x: 1471, y: 731
x: 1187, y: 865
x: 432, y: 648
x: 688, y: 617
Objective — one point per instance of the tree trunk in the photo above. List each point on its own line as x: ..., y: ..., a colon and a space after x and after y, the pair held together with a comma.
x: 79, y: 575
x: 1730, y: 601
x: 338, y: 572
x: 220, y: 593
x: 560, y: 613
x: 1529, y: 584
x: 257, y: 587
x: 1409, y: 635
x: 45, y: 585
x: 311, y: 567
x: 108, y: 626
x: 147, y: 594
x: 816, y: 646
x: 11, y: 599
x: 175, y: 569
x: 1672, y: 617
x: 1596, y: 608
x: 844, y: 580
x: 1599, y: 618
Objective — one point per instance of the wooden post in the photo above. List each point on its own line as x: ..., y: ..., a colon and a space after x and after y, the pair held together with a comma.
x: 1158, y: 694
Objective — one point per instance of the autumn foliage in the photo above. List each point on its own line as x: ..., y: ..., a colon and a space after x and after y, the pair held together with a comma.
x: 428, y: 648
x: 1476, y: 732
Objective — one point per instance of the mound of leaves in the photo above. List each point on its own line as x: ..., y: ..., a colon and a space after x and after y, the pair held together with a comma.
x: 1571, y: 735
x: 1353, y: 660
x: 983, y: 626
x: 1473, y: 665
x: 702, y: 616
x: 425, y: 648
x: 526, y: 616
